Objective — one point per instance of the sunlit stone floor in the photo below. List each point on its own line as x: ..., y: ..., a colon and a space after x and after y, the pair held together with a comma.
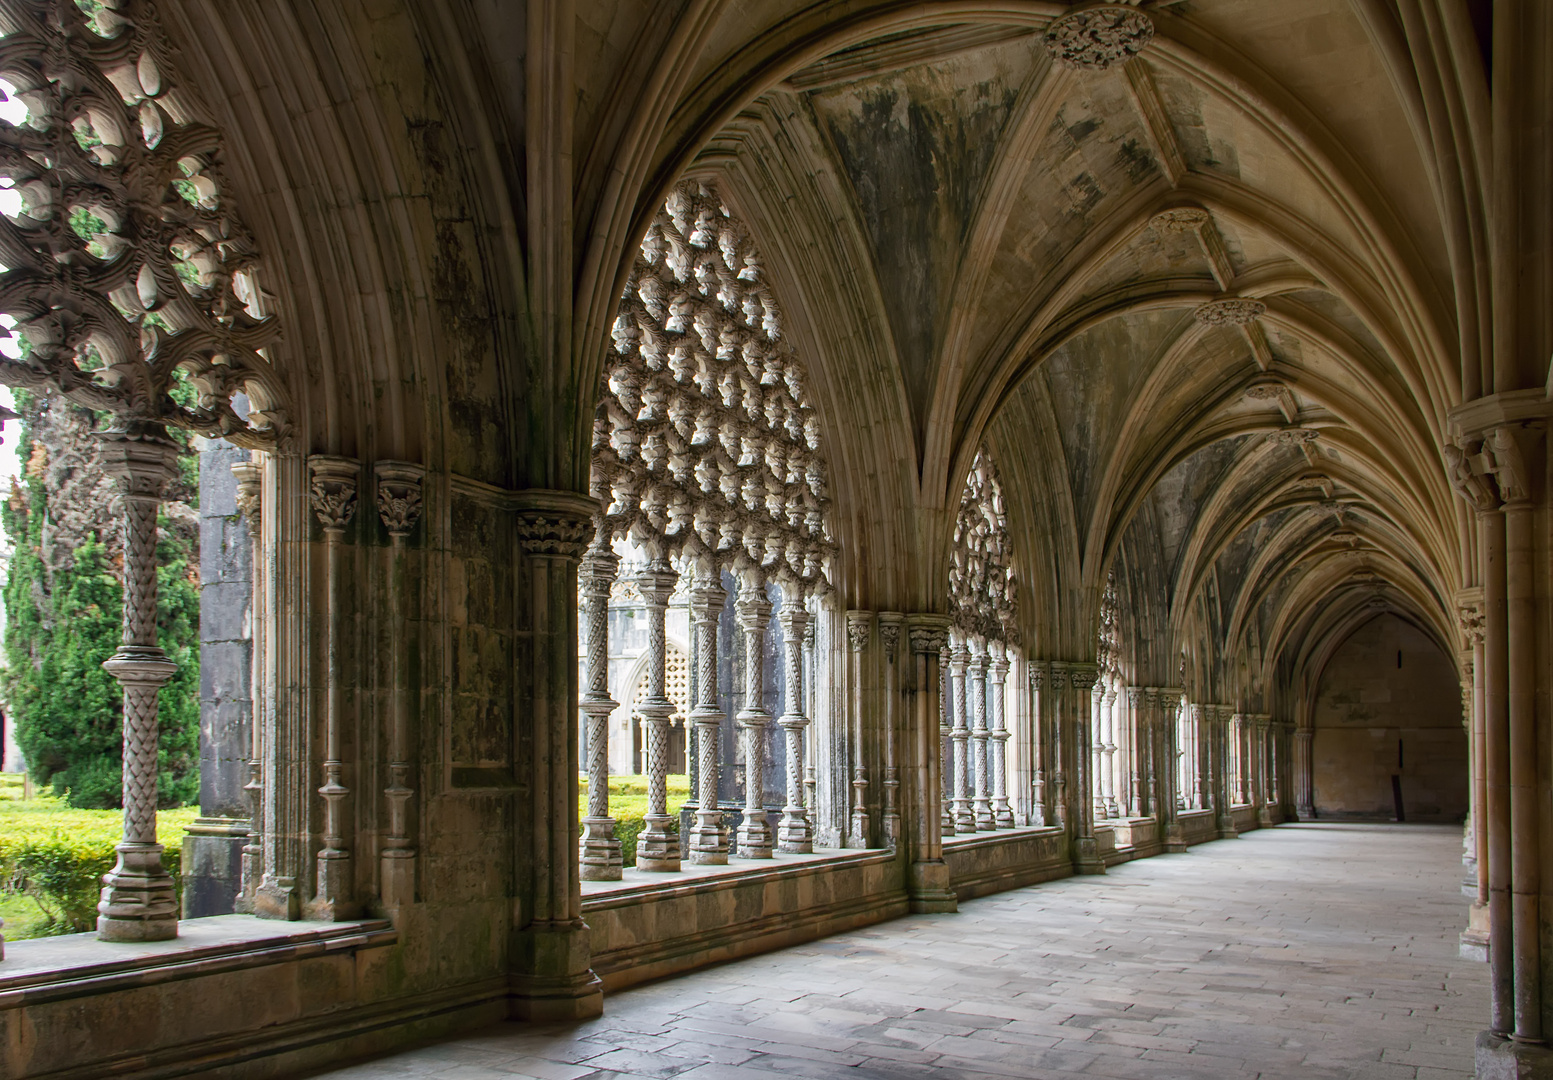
x: 1312, y: 951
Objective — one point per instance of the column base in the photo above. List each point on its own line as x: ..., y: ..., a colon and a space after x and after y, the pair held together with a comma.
x: 1474, y: 939
x: 929, y: 889
x: 1502, y: 1058
x: 754, y: 835
x: 333, y: 902
x: 1002, y: 815
x: 277, y: 898
x: 1086, y: 856
x: 1175, y: 838
x: 556, y: 984
x: 794, y: 837
x: 600, y: 858
x: 137, y: 897
x: 657, y: 850
x: 708, y: 839
x: 396, y: 869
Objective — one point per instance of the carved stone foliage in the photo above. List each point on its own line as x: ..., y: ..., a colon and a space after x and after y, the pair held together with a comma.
x: 130, y: 275
x: 981, y: 580
x: 1108, y: 647
x: 399, y: 495
x: 1230, y: 311
x: 1095, y: 38
x: 1180, y: 219
x: 704, y: 443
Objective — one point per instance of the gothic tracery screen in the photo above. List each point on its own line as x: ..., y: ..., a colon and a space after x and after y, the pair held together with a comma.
x: 703, y: 441
x: 981, y: 581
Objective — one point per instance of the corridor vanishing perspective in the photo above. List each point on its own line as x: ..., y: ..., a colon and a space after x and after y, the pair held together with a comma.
x: 1316, y: 951
x: 705, y: 479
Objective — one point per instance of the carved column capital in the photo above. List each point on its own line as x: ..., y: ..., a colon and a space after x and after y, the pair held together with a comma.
x: 1084, y: 676
x: 141, y: 457
x: 333, y: 490
x: 1037, y: 676
x: 250, y: 476
x: 890, y: 624
x: 859, y: 629
x: 554, y: 523
x: 929, y: 633
x: 399, y: 495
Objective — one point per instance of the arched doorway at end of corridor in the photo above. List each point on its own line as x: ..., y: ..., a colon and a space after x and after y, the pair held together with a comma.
x: 1387, y: 723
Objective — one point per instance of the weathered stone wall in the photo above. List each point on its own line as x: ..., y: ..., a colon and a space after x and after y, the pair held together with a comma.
x: 1389, y: 684
x: 212, y: 853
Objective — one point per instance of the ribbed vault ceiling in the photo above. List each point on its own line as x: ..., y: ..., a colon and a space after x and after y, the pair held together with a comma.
x: 1034, y: 255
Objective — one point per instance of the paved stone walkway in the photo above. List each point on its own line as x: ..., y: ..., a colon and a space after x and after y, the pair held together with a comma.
x: 1308, y: 951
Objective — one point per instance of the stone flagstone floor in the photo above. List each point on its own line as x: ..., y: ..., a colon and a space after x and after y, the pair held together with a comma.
x: 1309, y: 950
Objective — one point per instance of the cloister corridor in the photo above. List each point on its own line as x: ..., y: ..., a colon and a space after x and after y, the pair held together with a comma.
x: 1312, y: 950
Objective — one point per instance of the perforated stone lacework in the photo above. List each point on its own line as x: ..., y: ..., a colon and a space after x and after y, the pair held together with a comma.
x: 704, y: 442
x: 128, y: 268
x: 981, y: 581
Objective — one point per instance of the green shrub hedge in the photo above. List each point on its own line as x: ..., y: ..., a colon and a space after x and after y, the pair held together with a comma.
x: 628, y: 806
x: 52, y: 859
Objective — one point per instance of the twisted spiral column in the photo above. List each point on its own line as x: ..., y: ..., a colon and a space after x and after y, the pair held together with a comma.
x: 964, y: 815
x: 754, y: 610
x: 138, y: 903
x: 1112, y: 803
x: 708, y: 837
x: 981, y: 799
x: 657, y: 847
x: 1002, y: 813
x: 1041, y: 758
x: 946, y: 773
x: 599, y: 856
x: 794, y: 834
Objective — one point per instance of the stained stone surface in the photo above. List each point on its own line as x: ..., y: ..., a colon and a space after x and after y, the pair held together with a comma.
x: 1312, y: 950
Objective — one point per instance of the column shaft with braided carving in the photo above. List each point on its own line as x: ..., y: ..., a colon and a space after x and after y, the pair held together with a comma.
x: 708, y: 837
x: 794, y: 834
x: 981, y: 799
x: 946, y: 773
x: 1002, y: 813
x: 1140, y: 723
x: 399, y: 508
x: 754, y: 611
x: 137, y: 897
x: 600, y: 854
x: 657, y: 847
x: 1040, y: 759
x: 334, y: 501
x: 964, y: 815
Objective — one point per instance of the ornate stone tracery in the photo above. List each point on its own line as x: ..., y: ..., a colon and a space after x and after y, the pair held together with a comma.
x: 981, y: 581
x: 131, y: 282
x: 706, y: 452
x: 981, y: 610
x: 1095, y: 38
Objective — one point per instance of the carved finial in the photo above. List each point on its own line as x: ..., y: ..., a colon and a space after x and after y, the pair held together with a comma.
x: 1180, y: 219
x: 1230, y: 311
x: 1095, y: 38
x: 399, y: 495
